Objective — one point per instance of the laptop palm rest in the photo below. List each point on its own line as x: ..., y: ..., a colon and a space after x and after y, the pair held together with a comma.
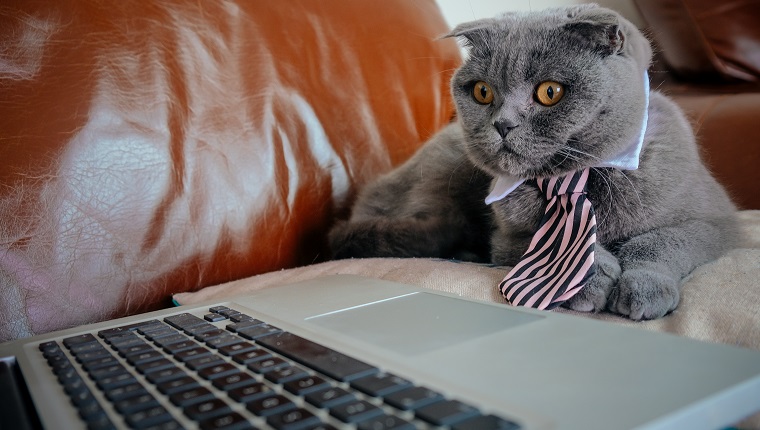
x: 423, y: 318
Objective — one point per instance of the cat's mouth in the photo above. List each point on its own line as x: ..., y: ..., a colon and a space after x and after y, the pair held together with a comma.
x: 528, y: 161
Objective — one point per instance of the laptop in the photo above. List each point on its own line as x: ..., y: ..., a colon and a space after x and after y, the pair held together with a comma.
x: 351, y: 352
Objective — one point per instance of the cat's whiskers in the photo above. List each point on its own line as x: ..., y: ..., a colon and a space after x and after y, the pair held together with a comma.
x: 608, y: 182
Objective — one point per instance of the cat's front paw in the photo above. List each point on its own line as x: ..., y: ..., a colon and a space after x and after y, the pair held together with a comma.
x: 593, y: 296
x: 644, y: 294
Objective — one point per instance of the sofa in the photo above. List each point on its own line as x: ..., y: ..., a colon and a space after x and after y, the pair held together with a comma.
x: 168, y: 152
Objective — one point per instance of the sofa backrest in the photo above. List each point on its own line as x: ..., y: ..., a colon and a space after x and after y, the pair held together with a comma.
x: 154, y: 147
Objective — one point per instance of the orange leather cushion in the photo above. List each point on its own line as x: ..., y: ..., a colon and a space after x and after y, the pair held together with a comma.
x: 155, y: 147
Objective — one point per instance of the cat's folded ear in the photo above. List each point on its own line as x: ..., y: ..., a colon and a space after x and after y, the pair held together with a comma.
x: 473, y: 33
x: 601, y: 28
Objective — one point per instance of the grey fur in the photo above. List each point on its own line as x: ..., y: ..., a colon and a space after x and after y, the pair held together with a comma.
x: 654, y: 225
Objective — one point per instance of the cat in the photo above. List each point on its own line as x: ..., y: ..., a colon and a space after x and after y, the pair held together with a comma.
x: 543, y: 94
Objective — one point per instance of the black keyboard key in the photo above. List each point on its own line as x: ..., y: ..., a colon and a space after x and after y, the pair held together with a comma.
x: 229, y: 421
x: 222, y: 341
x: 486, y: 422
x: 146, y: 418
x: 218, y: 371
x: 209, y: 334
x: 214, y: 317
x: 238, y: 318
x: 380, y: 384
x: 249, y: 356
x: 217, y: 309
x: 144, y: 357
x: 207, y: 409
x: 100, y: 422
x: 201, y: 328
x: 413, y: 398
x: 79, y: 339
x: 268, y: 364
x: 121, y: 393
x: 120, y: 342
x: 59, y: 364
x: 306, y: 384
x: 82, y: 398
x: 329, y: 397
x: 163, y: 375
x: 91, y: 411
x: 203, y: 362
x: 160, y: 332
x: 270, y: 405
x: 135, y: 403
x: 446, y: 413
x: 99, y: 363
x: 386, y: 422
x: 285, y: 374
x: 193, y: 353
x: 68, y: 375
x: 122, y: 337
x: 256, y: 331
x: 192, y: 396
x: 320, y: 358
x: 237, y: 348
x: 227, y: 312
x: 176, y: 385
x: 107, y: 372
x: 155, y: 365
x: 249, y: 393
x: 48, y: 347
x: 133, y: 348
x: 74, y: 384
x: 94, y: 355
x: 81, y: 349
x: 234, y: 380
x: 355, y: 411
x: 120, y: 380
x: 151, y: 325
x: 234, y: 327
x: 184, y: 320
x: 56, y: 356
x: 165, y: 341
x: 295, y: 419
x: 183, y: 345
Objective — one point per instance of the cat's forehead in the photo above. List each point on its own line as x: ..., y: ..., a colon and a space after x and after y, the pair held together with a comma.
x: 527, y: 44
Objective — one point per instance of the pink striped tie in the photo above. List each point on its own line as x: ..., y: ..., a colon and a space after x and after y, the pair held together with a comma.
x: 560, y: 258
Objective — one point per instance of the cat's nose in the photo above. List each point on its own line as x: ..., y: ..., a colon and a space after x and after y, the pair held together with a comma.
x: 504, y: 127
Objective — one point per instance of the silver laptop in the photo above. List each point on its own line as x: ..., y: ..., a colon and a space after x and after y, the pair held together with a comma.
x: 351, y: 352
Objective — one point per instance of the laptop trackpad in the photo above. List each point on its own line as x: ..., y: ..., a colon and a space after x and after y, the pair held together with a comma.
x: 421, y: 322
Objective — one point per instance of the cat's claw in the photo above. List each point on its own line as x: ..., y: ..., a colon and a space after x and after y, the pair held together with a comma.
x: 594, y: 295
x: 644, y: 294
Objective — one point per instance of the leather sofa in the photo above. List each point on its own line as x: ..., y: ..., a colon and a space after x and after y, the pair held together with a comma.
x: 148, y: 148
x: 709, y: 62
x: 187, y: 150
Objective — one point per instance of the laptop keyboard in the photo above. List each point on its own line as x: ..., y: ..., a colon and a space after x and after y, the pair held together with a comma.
x: 228, y: 370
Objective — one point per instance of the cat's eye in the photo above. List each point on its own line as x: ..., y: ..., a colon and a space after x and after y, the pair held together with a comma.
x: 482, y: 92
x: 549, y: 93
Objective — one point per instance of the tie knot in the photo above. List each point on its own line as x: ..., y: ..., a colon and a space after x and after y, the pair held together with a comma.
x: 573, y: 182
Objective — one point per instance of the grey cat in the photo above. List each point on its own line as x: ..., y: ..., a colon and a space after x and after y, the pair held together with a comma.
x: 544, y: 94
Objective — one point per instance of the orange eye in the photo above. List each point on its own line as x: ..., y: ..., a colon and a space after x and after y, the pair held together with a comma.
x: 549, y: 93
x: 483, y: 93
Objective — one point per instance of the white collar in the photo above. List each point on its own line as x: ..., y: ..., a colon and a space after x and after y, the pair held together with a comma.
x: 627, y: 159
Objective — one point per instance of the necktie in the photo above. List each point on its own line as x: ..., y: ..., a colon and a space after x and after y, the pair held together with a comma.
x: 560, y: 258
